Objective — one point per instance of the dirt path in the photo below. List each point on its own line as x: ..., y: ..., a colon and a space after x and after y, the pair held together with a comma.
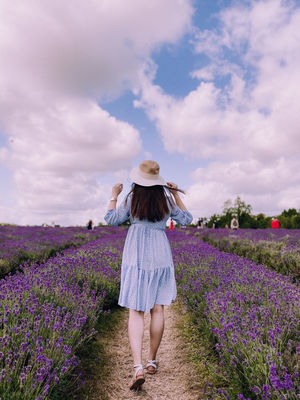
x: 175, y: 378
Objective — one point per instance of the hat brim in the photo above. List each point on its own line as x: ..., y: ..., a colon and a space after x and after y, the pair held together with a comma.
x: 138, y: 179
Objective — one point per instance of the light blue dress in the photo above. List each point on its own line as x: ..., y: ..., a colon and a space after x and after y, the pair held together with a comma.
x: 147, y: 270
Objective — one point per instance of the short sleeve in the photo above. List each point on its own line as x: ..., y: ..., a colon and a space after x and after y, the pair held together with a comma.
x: 118, y: 216
x: 182, y: 217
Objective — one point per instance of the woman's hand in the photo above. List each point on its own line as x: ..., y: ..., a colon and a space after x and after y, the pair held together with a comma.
x: 116, y: 190
x: 175, y: 193
x: 171, y: 186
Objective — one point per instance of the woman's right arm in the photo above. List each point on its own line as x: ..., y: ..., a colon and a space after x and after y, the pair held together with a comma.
x: 116, y: 216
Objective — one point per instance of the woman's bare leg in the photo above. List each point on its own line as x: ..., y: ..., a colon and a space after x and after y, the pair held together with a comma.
x: 136, y: 333
x: 156, y: 329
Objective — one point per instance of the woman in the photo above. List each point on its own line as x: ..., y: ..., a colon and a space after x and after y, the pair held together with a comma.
x: 147, y: 271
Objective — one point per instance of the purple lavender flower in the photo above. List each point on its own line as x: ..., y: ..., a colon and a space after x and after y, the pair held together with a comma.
x: 49, y: 309
x: 252, y: 312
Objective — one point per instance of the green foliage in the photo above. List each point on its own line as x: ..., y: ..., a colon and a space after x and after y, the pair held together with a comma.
x: 238, y: 208
x: 4, y: 267
x: 262, y: 222
x: 214, y: 217
x: 296, y: 221
x: 289, y: 213
x: 289, y: 219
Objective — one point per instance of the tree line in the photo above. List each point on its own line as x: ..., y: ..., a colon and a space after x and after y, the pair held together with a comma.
x: 289, y: 219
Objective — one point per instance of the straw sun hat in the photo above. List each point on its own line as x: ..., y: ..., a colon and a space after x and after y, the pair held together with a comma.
x: 147, y: 174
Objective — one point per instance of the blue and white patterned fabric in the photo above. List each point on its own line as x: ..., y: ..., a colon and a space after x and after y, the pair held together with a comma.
x: 147, y: 270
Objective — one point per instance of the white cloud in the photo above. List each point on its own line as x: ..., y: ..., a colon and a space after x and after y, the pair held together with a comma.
x: 248, y: 128
x: 58, y: 59
x: 86, y: 47
x: 58, y: 154
x: 267, y: 188
x: 72, y: 136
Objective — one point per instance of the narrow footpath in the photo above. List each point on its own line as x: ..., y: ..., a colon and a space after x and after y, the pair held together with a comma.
x: 175, y: 379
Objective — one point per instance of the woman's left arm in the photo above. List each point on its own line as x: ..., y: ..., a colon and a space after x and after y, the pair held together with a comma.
x: 179, y: 213
x: 176, y: 196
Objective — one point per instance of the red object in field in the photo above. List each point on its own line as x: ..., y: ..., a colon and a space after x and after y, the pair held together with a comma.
x: 171, y: 226
x: 275, y: 224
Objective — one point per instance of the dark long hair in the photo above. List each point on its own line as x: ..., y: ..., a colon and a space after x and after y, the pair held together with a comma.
x: 149, y: 202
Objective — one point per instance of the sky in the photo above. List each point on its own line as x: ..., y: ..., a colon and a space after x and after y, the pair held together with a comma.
x: 90, y: 88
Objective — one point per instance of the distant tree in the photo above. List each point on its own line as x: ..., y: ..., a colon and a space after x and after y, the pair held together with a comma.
x: 290, y: 219
x: 214, y: 217
x: 227, y: 207
x: 239, y: 209
x: 262, y: 222
x: 223, y: 220
x: 247, y: 220
x: 289, y: 213
x: 296, y: 221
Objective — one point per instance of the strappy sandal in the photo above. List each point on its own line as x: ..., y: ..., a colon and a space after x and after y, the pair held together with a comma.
x: 139, y: 378
x: 151, y: 366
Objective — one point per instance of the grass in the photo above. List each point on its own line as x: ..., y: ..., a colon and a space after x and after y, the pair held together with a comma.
x: 201, y: 354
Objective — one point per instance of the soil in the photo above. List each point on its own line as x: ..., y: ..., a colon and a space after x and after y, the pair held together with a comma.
x: 175, y: 379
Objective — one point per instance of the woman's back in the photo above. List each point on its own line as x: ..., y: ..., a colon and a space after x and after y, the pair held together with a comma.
x: 123, y: 213
x: 147, y: 270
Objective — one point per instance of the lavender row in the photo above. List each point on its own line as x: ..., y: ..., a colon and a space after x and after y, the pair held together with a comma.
x: 251, y: 314
x: 49, y: 310
x: 21, y: 243
x: 277, y: 249
x: 290, y: 236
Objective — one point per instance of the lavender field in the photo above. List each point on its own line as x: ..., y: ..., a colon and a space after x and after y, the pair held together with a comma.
x: 48, y: 310
x: 21, y: 243
x: 249, y: 312
x: 279, y: 249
